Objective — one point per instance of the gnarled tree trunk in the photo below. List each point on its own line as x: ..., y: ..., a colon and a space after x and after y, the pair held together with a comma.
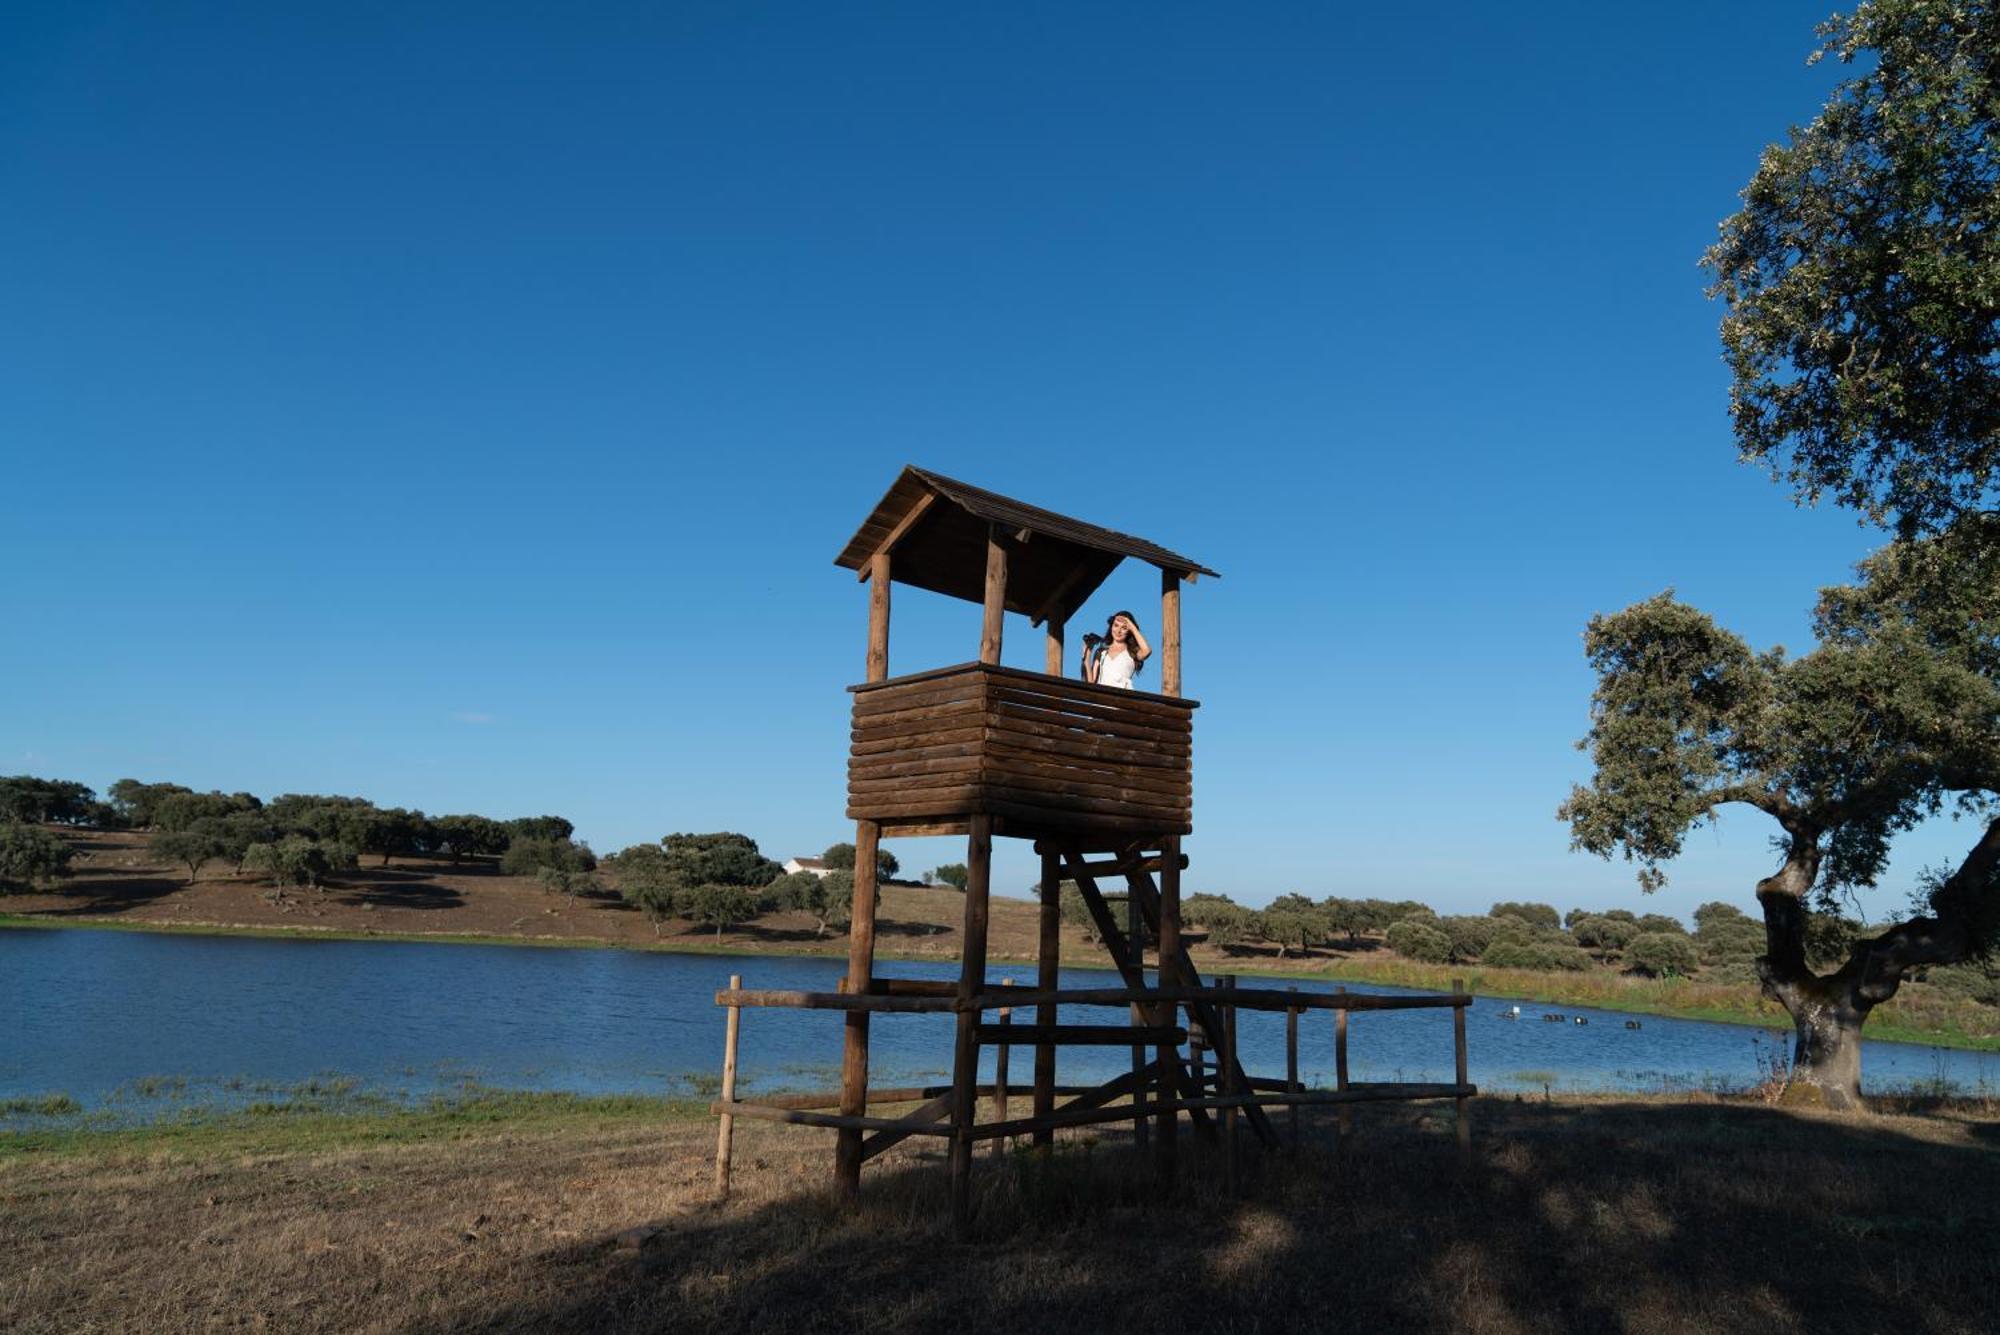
x: 1828, y: 1011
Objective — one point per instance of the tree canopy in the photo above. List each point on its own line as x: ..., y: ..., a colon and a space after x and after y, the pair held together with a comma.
x: 1861, y: 277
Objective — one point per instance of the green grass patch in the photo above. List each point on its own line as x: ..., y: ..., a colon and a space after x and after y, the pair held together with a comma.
x: 306, y: 1123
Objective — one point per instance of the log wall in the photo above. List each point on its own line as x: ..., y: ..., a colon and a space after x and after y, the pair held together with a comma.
x: 1037, y: 752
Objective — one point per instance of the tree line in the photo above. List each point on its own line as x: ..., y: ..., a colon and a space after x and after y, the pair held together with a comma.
x: 295, y: 839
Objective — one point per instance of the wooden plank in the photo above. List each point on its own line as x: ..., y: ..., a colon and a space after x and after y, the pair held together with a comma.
x: 912, y: 987
x: 920, y: 829
x: 1170, y: 632
x: 888, y: 767
x: 891, y: 785
x: 877, y: 723
x: 1099, y: 780
x: 1168, y: 724
x: 942, y: 742
x: 930, y: 1112
x: 1369, y: 1093
x: 1025, y: 820
x: 837, y: 1121
x: 1148, y: 815
x: 833, y: 1001
x: 1075, y: 748
x: 1048, y: 692
x: 945, y: 690
x: 1079, y: 1035
x: 1249, y: 998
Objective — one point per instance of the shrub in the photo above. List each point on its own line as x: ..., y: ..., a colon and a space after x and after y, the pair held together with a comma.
x: 1415, y: 939
x: 1660, y: 922
x: 530, y: 857
x: 30, y: 858
x: 716, y: 906
x: 297, y: 860
x: 1662, y: 953
x: 1225, y: 921
x: 1469, y: 935
x: 1601, y: 933
x: 1535, y: 915
x: 1549, y: 956
x: 795, y: 891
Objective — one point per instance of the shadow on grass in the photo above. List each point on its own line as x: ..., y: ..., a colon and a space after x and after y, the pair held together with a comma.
x: 1574, y: 1217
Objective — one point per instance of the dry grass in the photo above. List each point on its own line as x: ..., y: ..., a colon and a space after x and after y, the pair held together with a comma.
x: 1579, y: 1215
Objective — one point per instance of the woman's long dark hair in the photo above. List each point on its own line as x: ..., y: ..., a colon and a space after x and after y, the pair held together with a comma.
x: 1131, y: 651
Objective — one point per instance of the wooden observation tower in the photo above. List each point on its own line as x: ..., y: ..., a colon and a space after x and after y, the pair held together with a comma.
x: 1099, y: 779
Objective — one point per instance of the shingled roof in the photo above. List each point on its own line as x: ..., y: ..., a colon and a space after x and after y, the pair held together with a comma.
x: 938, y: 527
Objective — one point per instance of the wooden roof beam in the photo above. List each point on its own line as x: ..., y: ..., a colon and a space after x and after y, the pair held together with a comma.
x: 896, y: 534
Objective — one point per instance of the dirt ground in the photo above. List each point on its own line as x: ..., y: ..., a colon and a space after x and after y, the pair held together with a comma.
x: 1575, y: 1216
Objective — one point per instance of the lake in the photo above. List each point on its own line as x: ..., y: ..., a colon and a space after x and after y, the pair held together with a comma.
x: 138, y: 1021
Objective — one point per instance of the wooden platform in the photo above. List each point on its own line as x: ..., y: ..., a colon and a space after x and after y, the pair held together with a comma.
x: 1040, y: 754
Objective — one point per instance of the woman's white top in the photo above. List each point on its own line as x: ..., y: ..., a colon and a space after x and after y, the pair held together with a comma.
x: 1115, y: 668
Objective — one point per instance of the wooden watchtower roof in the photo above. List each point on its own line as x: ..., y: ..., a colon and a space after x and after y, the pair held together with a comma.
x: 939, y: 528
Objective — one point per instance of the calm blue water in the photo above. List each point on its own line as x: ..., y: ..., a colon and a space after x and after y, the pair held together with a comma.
x: 90, y: 1013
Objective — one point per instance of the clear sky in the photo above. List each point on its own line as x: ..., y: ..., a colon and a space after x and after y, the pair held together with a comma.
x: 462, y: 406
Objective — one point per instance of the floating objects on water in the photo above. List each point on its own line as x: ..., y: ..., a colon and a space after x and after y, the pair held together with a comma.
x: 1581, y: 1020
x: 1631, y: 1024
x: 1552, y: 1018
x: 1511, y: 1013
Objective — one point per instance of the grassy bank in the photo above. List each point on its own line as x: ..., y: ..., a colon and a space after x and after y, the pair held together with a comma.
x: 1578, y: 1214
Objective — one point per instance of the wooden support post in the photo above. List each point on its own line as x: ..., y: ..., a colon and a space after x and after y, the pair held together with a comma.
x: 1464, y: 1124
x: 1048, y: 963
x: 1292, y: 1063
x: 996, y: 598
x: 860, y: 977
x: 1052, y: 649
x: 878, y: 617
x: 1000, y: 1075
x: 1171, y: 960
x: 1135, y: 939
x: 1345, y: 1120
x: 1227, y: 1076
x: 725, y: 1137
x: 1170, y: 632
x: 971, y: 983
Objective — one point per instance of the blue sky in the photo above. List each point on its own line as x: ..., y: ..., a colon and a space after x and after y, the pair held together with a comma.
x: 462, y: 406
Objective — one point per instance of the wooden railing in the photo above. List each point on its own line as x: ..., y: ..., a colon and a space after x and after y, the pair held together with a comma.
x: 1036, y: 751
x: 1170, y: 1085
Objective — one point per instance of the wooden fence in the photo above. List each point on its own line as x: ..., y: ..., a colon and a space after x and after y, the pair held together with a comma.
x: 1159, y: 1089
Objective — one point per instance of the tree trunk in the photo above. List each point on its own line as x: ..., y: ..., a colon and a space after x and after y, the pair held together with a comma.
x: 1826, y: 1053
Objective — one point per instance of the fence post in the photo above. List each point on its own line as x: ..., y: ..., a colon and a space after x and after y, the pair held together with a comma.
x: 1292, y: 1064
x: 725, y: 1137
x: 1344, y: 1122
x: 1458, y: 1041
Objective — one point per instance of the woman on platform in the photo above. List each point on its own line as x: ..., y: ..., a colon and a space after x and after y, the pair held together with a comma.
x: 1116, y: 658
